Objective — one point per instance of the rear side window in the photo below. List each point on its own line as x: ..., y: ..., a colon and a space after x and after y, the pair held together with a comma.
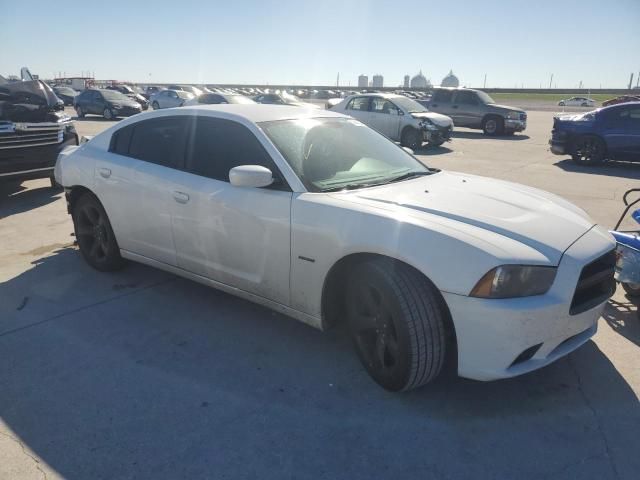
x: 160, y: 141
x: 217, y: 145
x: 120, y: 141
x: 359, y: 103
x: 443, y: 96
x: 466, y: 97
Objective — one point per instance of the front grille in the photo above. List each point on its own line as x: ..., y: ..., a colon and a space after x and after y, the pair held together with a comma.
x: 596, y: 283
x: 30, y: 135
x: 523, y: 116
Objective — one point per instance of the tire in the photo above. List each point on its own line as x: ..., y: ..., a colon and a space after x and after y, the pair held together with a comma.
x: 108, y: 114
x: 632, y: 289
x: 155, y: 105
x: 55, y: 185
x: 588, y: 150
x: 584, y: 105
x: 79, y: 111
x: 436, y: 144
x: 561, y: 104
x: 94, y: 234
x: 396, y: 321
x: 411, y: 138
x: 493, y: 126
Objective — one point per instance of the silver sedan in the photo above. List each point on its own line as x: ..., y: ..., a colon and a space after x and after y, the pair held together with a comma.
x: 169, y: 99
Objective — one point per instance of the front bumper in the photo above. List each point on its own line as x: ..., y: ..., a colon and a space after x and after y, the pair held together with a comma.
x: 515, y: 125
x: 437, y: 135
x: 501, y: 338
x: 126, y: 111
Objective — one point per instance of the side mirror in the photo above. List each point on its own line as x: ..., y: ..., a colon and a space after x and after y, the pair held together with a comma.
x: 408, y: 150
x: 254, y: 176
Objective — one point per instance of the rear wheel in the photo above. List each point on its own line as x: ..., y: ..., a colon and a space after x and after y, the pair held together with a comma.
x: 108, y: 114
x: 493, y: 126
x: 411, y: 138
x: 561, y: 104
x: 155, y: 105
x: 588, y: 150
x: 94, y: 234
x: 397, y: 324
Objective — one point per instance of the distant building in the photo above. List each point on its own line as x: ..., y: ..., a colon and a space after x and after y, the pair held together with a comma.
x: 363, y: 81
x: 450, y: 80
x: 378, y: 81
x: 407, y: 79
x: 420, y: 81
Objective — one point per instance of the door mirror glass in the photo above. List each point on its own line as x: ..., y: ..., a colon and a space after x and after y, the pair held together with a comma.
x: 636, y: 216
x: 255, y: 176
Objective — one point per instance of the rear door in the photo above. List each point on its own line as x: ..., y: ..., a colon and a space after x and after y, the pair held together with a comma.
x: 622, y: 131
x: 441, y: 102
x: 234, y: 235
x: 358, y: 107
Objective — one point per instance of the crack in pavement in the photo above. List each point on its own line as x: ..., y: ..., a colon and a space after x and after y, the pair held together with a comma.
x: 26, y: 453
x: 85, y: 307
x: 616, y: 474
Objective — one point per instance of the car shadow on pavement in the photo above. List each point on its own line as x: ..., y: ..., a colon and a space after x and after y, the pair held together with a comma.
x: 431, y: 150
x: 623, y: 318
x: 141, y: 374
x: 16, y: 199
x: 611, y: 168
x: 481, y: 136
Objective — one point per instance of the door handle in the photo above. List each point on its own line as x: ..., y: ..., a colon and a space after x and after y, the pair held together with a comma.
x: 180, y: 197
x: 105, y: 172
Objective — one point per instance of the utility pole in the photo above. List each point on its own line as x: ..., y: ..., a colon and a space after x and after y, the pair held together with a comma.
x: 338, y: 80
x: 551, y: 80
x: 484, y: 85
x: 631, y: 81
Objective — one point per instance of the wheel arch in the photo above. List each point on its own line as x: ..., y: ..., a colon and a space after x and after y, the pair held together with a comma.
x: 334, y: 287
x: 578, y: 135
x: 487, y: 116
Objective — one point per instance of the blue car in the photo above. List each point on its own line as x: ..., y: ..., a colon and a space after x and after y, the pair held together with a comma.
x: 610, y: 133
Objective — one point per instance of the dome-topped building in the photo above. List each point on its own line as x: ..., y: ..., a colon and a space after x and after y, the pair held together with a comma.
x: 420, y: 81
x: 450, y: 80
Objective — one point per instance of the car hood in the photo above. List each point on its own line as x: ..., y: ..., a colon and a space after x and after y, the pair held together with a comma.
x: 437, y: 118
x: 538, y: 219
x: 32, y: 101
x: 505, y: 108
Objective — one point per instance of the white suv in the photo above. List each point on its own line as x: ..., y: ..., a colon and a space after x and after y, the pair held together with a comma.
x: 399, y: 118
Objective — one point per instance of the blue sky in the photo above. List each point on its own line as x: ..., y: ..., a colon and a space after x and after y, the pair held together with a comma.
x: 284, y: 42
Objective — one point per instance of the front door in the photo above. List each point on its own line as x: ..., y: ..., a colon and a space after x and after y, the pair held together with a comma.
x: 466, y: 109
x: 234, y: 235
x: 622, y: 132
x: 358, y: 108
x: 385, y: 118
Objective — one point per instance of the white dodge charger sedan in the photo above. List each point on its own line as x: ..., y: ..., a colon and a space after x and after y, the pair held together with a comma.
x: 316, y: 215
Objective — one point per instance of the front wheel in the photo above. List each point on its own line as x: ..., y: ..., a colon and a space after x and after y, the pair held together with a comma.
x: 396, y: 321
x: 588, y: 150
x: 561, y: 104
x: 108, y: 114
x: 79, y: 111
x: 155, y: 105
x: 94, y: 234
x: 436, y: 143
x: 411, y: 138
x: 493, y: 126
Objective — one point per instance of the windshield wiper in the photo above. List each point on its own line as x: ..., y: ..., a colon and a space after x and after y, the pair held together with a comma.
x: 408, y: 175
x: 350, y: 186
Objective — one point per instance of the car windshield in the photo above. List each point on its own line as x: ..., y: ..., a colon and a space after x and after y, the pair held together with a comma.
x: 485, y: 98
x: 112, y: 95
x: 334, y: 153
x: 409, y: 104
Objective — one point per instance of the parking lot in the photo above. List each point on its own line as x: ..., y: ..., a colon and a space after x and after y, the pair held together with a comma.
x: 141, y: 374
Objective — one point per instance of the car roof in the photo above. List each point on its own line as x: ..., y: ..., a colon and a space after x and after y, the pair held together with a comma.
x: 383, y: 95
x: 255, y: 113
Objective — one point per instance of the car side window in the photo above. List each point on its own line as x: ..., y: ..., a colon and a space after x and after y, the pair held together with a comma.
x: 160, y: 141
x: 173, y: 94
x: 217, y: 145
x: 442, y: 96
x: 121, y: 140
x: 381, y: 105
x: 359, y: 103
x: 465, y: 97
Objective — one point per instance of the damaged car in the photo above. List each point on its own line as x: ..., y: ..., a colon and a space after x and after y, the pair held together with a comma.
x: 399, y: 118
x: 33, y: 129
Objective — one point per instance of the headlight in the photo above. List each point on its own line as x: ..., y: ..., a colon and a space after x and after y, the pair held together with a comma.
x: 509, y: 281
x: 428, y: 124
x: 115, y: 106
x: 513, y: 115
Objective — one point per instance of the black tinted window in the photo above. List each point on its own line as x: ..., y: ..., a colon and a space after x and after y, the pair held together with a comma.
x: 443, y: 96
x: 219, y: 145
x: 120, y: 140
x: 211, y: 98
x: 161, y: 141
x: 358, y: 103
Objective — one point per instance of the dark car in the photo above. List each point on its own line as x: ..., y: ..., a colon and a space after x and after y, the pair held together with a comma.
x: 282, y: 99
x: 108, y: 103
x: 66, y: 94
x: 150, y: 90
x: 131, y: 93
x: 609, y: 133
x: 33, y: 130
